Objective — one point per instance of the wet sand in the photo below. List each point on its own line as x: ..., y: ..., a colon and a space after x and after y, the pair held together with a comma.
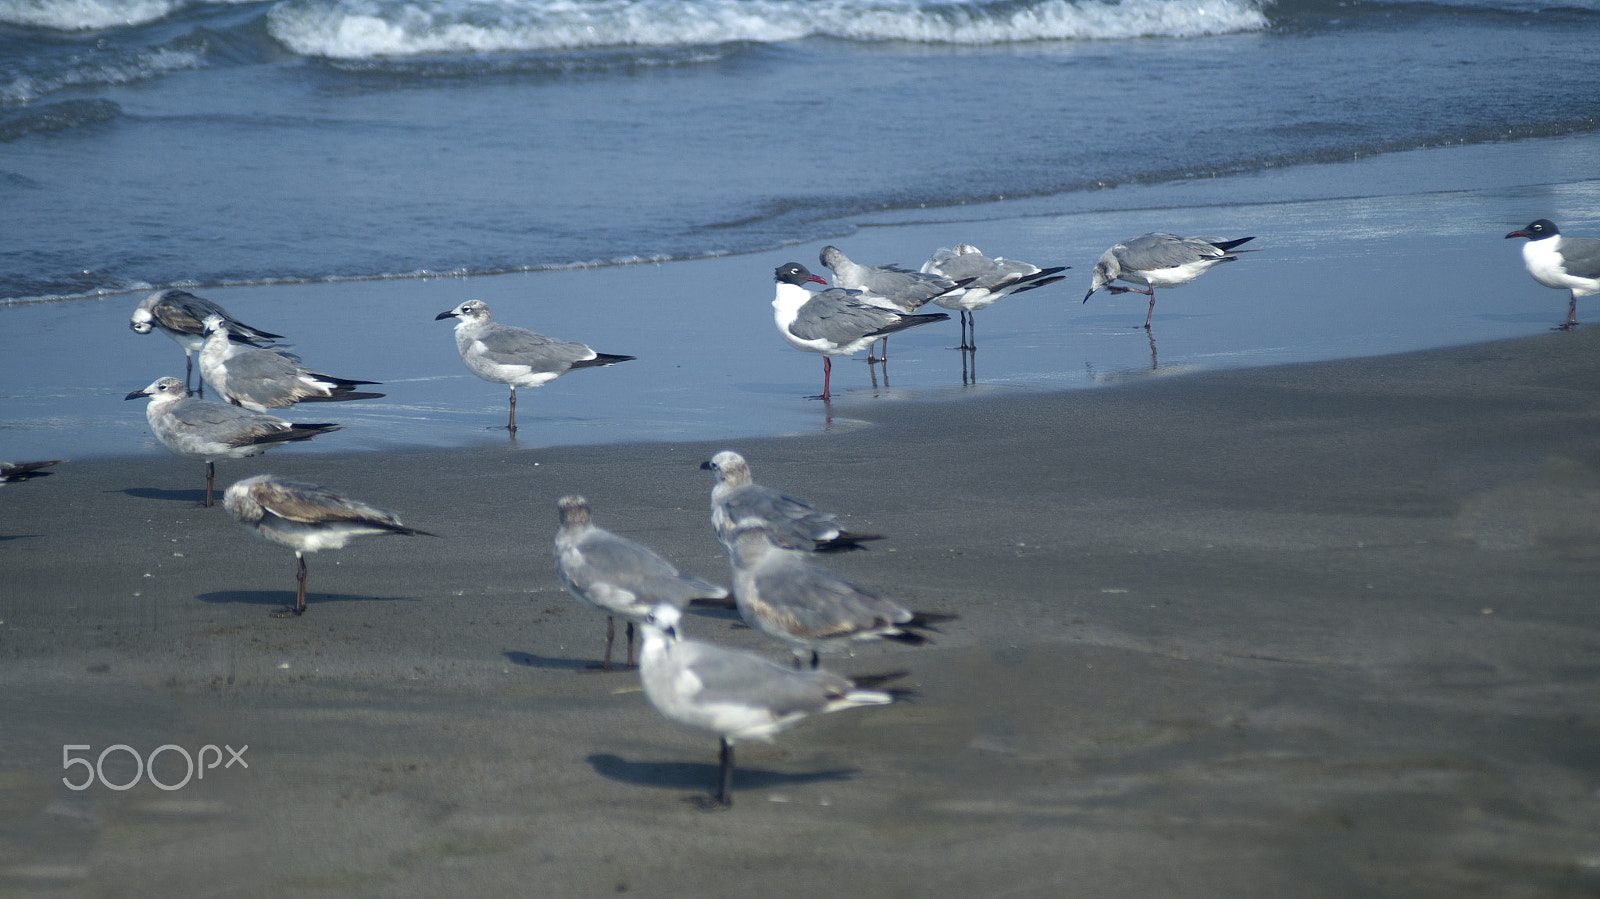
x: 1322, y: 630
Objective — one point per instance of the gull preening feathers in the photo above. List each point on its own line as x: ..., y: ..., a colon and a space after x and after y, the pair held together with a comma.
x: 833, y: 322
x: 182, y: 316
x: 1159, y: 260
x: 514, y: 356
x: 737, y: 500
x: 736, y: 696
x: 984, y: 281
x: 617, y: 575
x: 307, y: 519
x: 1564, y: 263
x: 196, y: 429
x: 264, y: 378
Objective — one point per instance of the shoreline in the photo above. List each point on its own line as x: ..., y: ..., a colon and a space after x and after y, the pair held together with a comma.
x: 1320, y: 630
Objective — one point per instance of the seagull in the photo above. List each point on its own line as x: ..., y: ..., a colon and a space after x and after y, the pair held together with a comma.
x: 617, y: 575
x: 516, y: 356
x: 791, y: 522
x: 835, y: 321
x: 1565, y: 263
x: 781, y: 593
x: 263, y: 378
x: 737, y: 695
x: 987, y: 281
x: 12, y: 472
x: 1159, y: 260
x: 181, y: 315
x: 196, y: 429
x: 886, y: 286
x: 306, y: 518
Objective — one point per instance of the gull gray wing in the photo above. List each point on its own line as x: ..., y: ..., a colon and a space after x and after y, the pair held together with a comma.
x: 1581, y: 256
x: 603, y: 558
x: 836, y: 317
x: 508, y: 345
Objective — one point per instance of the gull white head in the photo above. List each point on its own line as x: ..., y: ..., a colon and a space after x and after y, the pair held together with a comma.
x: 472, y: 311
x: 730, y: 468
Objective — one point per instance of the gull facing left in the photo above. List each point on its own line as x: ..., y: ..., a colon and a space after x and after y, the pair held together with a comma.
x: 196, y: 429
x: 734, y: 695
x: 516, y: 356
x: 1159, y: 259
x: 617, y: 575
x: 1564, y: 263
x: 307, y: 519
x: 182, y: 316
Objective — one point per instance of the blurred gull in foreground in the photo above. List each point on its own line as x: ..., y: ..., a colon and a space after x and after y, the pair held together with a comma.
x: 267, y: 378
x: 737, y: 696
x: 307, y: 519
x: 792, y: 522
x: 1159, y: 260
x: 516, y: 356
x: 617, y: 575
x: 196, y: 429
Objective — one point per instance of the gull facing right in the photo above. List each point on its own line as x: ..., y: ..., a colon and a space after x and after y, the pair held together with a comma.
x: 1156, y: 260
x: 516, y: 356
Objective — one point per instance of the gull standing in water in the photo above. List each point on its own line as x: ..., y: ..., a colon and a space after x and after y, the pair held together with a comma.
x: 736, y: 499
x: 263, y: 378
x: 737, y: 696
x: 15, y: 472
x: 786, y: 596
x: 1159, y: 260
x: 182, y: 316
x: 985, y: 280
x: 196, y: 429
x: 886, y: 286
x: 307, y: 519
x: 1564, y: 263
x: 516, y: 356
x: 617, y: 575
x: 833, y: 322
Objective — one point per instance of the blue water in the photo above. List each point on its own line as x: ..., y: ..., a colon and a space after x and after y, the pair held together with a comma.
x: 259, y: 152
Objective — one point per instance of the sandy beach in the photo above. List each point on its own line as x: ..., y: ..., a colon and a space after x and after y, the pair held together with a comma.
x: 1318, y: 630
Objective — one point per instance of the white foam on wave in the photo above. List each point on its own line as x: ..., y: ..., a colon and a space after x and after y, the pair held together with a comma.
x: 354, y: 29
x: 85, y: 15
x: 27, y: 87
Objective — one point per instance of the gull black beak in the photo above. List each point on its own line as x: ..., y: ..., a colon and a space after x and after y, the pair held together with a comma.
x: 1087, y: 296
x: 444, y: 315
x: 706, y: 466
x: 137, y: 394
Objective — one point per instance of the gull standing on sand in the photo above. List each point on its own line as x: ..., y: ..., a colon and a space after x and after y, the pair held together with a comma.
x: 182, y: 316
x: 617, y: 575
x: 792, y: 522
x: 196, y: 429
x: 886, y: 286
x: 833, y: 322
x: 985, y: 280
x: 516, y: 356
x: 307, y: 519
x: 1159, y: 260
x: 737, y: 696
x: 786, y: 596
x: 263, y: 378
x: 1564, y: 263
x: 15, y: 472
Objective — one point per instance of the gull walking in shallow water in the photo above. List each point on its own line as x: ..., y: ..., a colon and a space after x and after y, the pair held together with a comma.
x: 516, y: 356
x: 617, y: 575
x: 985, y: 281
x: 786, y: 596
x: 14, y: 472
x: 1564, y: 263
x: 1159, y: 260
x: 182, y: 316
x: 736, y: 696
x: 307, y: 519
x: 736, y: 500
x: 886, y: 286
x: 833, y: 322
x: 196, y: 429
x: 263, y: 378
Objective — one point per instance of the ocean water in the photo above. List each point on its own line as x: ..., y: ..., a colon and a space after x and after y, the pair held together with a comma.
x: 630, y: 171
